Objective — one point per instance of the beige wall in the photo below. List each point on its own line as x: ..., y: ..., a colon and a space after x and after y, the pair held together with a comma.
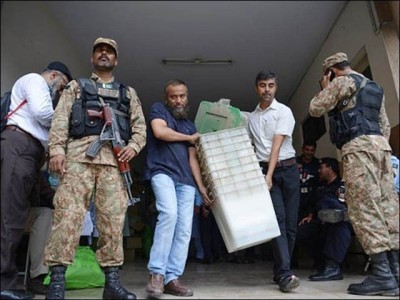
x: 27, y: 28
x: 352, y: 33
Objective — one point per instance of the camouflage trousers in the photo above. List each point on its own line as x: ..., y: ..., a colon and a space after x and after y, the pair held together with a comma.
x: 373, y: 204
x: 72, y: 200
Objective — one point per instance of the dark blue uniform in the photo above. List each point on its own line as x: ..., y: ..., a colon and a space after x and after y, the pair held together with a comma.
x: 326, y: 240
x: 308, y: 181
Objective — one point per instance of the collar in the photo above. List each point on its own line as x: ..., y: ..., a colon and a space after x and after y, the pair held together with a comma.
x: 273, y: 105
x: 98, y: 79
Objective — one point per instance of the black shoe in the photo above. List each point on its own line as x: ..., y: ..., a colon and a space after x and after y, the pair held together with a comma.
x: 373, y: 286
x: 36, y: 285
x: 289, y: 283
x: 16, y: 294
x: 318, y: 266
x: 56, y: 289
x: 112, y: 287
x: 333, y: 215
x: 332, y: 271
x: 381, y: 282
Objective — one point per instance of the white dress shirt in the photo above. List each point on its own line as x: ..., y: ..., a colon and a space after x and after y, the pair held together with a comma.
x: 264, y: 124
x: 34, y: 116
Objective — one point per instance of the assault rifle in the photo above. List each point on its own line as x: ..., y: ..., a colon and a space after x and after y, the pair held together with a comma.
x: 110, y: 132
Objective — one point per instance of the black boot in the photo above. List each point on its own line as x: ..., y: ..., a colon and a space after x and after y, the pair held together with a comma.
x: 113, y: 288
x: 381, y: 282
x: 57, y: 282
x: 331, y: 271
x: 393, y: 257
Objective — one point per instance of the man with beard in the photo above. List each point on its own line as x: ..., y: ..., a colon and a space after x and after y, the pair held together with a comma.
x: 71, y: 133
x: 271, y: 126
x: 174, y: 172
x: 23, y: 148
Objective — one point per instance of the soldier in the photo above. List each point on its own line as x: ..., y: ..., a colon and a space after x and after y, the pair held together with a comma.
x: 359, y: 127
x: 71, y: 133
x: 23, y: 148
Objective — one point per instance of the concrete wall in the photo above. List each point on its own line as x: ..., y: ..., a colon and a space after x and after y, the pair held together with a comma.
x: 352, y: 33
x: 27, y: 29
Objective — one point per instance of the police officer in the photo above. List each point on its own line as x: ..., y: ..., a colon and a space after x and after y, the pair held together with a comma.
x: 359, y: 127
x: 71, y: 133
x: 326, y: 240
x: 308, y: 168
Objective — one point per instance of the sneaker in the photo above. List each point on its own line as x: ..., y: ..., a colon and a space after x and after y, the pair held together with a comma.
x: 289, y: 283
x: 333, y: 215
x: 36, y: 285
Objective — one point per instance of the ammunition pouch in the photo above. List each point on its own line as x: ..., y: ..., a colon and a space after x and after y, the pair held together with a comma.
x: 82, y: 125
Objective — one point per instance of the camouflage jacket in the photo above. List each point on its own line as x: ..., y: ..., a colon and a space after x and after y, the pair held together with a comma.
x: 344, y: 87
x: 61, y: 143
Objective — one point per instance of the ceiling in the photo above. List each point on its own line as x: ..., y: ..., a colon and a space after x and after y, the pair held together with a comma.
x: 282, y: 36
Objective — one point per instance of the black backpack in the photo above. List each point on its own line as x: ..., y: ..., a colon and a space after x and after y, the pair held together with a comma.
x: 5, y: 108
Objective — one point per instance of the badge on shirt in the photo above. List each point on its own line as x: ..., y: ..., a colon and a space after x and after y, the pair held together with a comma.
x: 108, y: 92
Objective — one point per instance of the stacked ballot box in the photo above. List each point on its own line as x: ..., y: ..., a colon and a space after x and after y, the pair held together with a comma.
x: 243, y: 208
x: 214, y: 116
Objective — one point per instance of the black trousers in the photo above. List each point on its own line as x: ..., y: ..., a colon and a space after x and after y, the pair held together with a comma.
x: 285, y: 196
x: 21, y: 157
x: 211, y: 238
x: 328, y: 240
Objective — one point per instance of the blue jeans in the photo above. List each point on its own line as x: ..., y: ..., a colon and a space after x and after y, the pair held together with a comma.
x: 175, y: 205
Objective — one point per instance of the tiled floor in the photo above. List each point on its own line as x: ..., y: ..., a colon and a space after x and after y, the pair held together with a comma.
x: 226, y: 280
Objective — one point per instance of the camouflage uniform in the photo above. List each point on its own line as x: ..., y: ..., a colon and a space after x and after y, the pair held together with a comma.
x: 373, y: 205
x: 82, y: 176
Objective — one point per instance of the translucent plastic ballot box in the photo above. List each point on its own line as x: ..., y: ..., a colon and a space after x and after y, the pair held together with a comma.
x: 242, y: 204
x: 215, y: 116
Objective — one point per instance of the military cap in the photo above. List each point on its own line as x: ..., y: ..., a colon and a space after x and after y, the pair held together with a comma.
x: 333, y: 60
x: 107, y: 41
x: 59, y: 66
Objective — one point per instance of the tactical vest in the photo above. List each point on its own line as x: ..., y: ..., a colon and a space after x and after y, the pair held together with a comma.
x: 362, y: 119
x: 113, y: 94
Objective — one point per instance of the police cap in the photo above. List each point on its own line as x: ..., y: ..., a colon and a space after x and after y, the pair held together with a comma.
x: 59, y: 66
